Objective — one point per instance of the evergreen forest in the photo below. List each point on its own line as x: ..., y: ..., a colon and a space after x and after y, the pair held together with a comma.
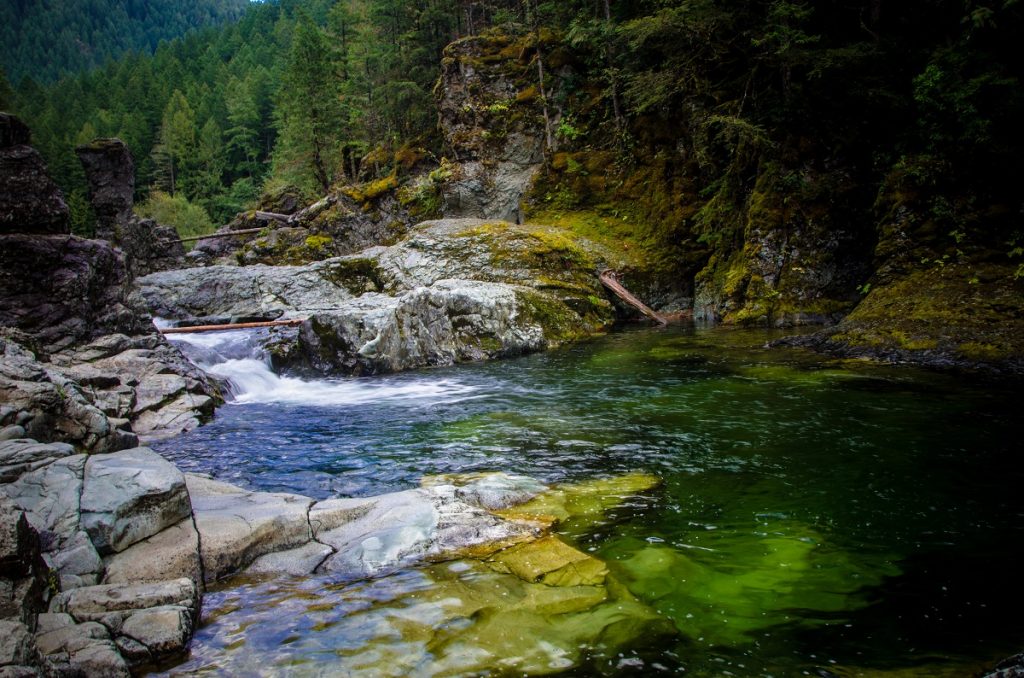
x: 850, y: 104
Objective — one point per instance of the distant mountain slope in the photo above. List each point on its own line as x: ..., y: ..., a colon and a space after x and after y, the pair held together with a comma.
x: 46, y: 39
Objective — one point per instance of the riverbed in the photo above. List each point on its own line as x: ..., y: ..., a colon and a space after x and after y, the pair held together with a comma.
x: 813, y: 515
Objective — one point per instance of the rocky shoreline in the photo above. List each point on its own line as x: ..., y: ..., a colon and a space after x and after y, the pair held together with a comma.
x: 105, y: 556
x: 106, y: 547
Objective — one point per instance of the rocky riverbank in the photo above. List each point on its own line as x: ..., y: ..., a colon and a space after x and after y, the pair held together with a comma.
x: 106, y: 548
x: 451, y: 291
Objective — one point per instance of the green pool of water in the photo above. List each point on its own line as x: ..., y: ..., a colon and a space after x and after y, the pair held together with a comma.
x: 815, y: 517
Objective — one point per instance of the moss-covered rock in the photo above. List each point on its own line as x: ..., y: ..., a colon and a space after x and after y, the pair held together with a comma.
x: 957, y: 315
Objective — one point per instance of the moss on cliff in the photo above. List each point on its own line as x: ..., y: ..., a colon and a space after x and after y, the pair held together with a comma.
x: 959, y: 313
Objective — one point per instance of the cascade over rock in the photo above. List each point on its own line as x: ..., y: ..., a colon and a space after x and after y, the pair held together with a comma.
x: 451, y: 291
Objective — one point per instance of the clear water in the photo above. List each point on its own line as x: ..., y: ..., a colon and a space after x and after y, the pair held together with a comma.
x: 814, y: 516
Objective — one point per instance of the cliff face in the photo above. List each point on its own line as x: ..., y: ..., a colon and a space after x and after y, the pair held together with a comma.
x: 491, y: 115
x: 793, y: 231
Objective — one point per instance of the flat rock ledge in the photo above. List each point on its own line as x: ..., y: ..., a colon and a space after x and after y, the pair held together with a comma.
x: 104, y: 557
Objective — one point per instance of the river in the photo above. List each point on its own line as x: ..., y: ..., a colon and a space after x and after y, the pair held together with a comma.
x: 815, y: 517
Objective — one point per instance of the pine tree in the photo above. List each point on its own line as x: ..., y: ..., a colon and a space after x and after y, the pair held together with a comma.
x: 177, y: 142
x: 308, y: 104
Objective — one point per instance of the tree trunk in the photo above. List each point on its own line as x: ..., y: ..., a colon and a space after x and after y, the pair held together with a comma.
x: 609, y: 61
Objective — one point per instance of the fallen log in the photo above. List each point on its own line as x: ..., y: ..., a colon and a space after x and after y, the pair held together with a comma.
x: 610, y: 280
x: 274, y: 216
x: 233, y: 326
x: 228, y: 234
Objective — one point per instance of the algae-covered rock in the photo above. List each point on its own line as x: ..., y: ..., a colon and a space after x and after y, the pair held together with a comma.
x: 550, y: 561
x: 577, y: 507
x: 954, y: 316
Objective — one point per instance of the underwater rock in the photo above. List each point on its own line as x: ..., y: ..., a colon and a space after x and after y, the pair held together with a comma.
x: 550, y: 561
x: 489, y: 490
x: 415, y: 525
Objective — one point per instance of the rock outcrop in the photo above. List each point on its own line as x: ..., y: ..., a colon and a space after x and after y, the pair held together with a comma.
x: 29, y: 200
x: 110, y: 171
x: 492, y: 122
x: 80, y: 363
x: 103, y: 557
x: 451, y: 291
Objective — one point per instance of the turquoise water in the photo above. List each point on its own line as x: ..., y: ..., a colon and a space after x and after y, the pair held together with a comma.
x: 814, y: 516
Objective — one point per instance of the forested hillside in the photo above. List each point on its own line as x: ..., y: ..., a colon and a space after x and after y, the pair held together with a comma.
x: 780, y: 157
x: 47, y: 39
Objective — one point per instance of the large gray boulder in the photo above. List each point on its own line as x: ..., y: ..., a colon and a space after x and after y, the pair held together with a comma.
x: 452, y: 291
x: 236, y: 526
x: 170, y: 554
x: 129, y: 496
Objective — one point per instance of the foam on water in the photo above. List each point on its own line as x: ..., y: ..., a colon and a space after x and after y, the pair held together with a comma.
x: 238, y: 357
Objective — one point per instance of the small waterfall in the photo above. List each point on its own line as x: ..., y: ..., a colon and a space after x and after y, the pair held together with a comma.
x: 238, y: 357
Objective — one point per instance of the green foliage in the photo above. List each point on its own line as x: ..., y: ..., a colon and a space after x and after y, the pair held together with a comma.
x: 187, y: 218
x: 47, y: 40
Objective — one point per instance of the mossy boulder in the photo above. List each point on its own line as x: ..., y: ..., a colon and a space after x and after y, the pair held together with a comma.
x: 957, y: 315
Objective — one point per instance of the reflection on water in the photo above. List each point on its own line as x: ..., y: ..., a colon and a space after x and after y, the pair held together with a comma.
x: 815, y: 515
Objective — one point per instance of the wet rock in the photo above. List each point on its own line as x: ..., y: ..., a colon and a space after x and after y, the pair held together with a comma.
x: 493, y: 490
x: 551, y: 561
x: 1011, y: 667
x: 236, y: 526
x: 129, y: 496
x: 293, y: 562
x: 415, y: 525
x: 170, y: 554
x: 29, y: 200
x: 452, y: 291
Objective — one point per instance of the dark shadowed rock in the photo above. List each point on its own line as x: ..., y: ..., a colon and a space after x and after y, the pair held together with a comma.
x: 29, y: 200
x: 110, y: 171
x: 63, y: 289
x: 13, y: 132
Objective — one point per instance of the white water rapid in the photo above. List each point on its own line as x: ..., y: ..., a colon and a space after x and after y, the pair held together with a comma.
x: 238, y: 357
